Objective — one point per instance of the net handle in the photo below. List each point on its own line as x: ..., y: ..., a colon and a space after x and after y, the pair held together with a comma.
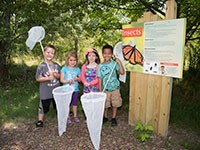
x: 43, y: 55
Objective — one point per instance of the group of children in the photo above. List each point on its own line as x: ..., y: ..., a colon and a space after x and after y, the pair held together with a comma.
x: 95, y: 77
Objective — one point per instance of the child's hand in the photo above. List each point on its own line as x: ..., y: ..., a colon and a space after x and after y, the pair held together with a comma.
x: 121, y: 68
x: 71, y: 81
x: 55, y: 74
x: 76, y: 79
x: 51, y: 76
x: 86, y: 84
x: 118, y: 60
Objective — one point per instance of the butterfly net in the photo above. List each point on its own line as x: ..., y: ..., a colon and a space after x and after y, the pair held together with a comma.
x: 35, y: 34
x: 62, y: 96
x: 118, y: 54
x: 93, y: 106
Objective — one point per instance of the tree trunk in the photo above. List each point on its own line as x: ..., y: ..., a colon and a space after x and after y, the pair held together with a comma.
x: 3, y: 61
x: 76, y: 44
x: 5, y: 44
x: 178, y: 8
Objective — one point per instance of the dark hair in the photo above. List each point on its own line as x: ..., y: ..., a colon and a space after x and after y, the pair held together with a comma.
x: 97, y: 60
x: 49, y: 46
x: 107, y: 46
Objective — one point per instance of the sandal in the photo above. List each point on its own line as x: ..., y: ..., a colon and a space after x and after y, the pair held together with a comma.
x: 69, y: 121
x: 76, y: 119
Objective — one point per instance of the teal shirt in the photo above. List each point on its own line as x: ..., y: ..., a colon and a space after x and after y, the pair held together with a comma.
x: 104, y: 71
x: 70, y: 73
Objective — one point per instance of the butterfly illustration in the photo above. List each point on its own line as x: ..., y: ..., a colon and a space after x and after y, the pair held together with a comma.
x: 132, y: 54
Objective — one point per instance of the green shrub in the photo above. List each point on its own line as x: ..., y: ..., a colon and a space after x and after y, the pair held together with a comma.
x: 143, y: 132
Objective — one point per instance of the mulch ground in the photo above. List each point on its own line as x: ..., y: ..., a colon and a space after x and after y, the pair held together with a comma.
x: 24, y: 136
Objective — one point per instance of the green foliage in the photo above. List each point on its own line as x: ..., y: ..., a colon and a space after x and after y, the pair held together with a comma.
x: 143, y: 132
x: 185, y: 102
x: 190, y: 10
x: 19, y: 95
x: 192, y: 56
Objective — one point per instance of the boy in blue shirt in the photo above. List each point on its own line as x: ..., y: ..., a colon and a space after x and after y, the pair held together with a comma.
x: 112, y: 88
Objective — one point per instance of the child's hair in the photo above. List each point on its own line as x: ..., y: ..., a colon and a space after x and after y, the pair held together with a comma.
x: 71, y: 54
x: 97, y: 60
x: 49, y: 46
x: 107, y: 46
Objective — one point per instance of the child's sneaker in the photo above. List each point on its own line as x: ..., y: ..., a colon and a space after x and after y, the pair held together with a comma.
x: 76, y: 119
x: 39, y: 124
x: 113, y: 122
x: 69, y: 121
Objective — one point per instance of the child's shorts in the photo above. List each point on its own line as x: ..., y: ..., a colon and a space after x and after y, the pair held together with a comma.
x: 74, y: 100
x: 113, y: 99
x: 45, y: 104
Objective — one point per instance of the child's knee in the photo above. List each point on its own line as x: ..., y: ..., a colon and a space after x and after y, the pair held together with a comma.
x: 40, y: 110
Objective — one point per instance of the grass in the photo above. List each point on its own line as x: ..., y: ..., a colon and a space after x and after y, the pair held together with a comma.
x: 19, y: 96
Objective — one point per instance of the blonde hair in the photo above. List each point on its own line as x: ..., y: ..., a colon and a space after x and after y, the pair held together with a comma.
x: 71, y: 54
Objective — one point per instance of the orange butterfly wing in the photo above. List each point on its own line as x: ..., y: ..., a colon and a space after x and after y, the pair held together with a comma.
x: 137, y: 57
x: 133, y: 55
x: 132, y: 59
x: 127, y: 51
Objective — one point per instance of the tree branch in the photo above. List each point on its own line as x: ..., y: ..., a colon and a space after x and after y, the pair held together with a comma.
x: 118, y: 7
x: 192, y: 32
x: 150, y: 7
x: 193, y: 39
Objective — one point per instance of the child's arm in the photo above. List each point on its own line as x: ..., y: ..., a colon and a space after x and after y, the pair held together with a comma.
x: 121, y: 68
x: 62, y: 79
x: 100, y: 84
x: 44, y: 79
x: 82, y: 75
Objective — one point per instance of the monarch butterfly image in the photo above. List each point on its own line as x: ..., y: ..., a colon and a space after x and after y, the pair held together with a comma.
x: 132, y: 54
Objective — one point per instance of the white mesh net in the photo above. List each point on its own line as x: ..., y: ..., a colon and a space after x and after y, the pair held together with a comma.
x: 93, y: 106
x: 35, y: 34
x: 62, y: 96
x: 118, y: 54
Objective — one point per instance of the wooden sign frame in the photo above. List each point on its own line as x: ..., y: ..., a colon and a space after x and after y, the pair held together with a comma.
x: 150, y: 95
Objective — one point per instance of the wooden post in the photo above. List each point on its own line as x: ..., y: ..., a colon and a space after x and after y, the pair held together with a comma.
x: 150, y: 95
